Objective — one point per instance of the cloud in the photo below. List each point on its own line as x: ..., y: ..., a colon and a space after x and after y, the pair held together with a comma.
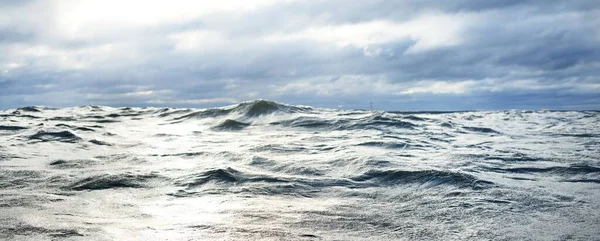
x: 324, y: 53
x: 428, y: 32
x: 440, y: 87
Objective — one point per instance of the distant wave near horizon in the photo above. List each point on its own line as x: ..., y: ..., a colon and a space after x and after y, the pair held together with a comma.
x: 262, y: 170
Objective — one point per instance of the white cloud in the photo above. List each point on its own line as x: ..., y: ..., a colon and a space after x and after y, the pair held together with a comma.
x: 141, y: 94
x: 338, y: 85
x: 85, y: 18
x: 61, y: 58
x: 428, y: 31
x: 378, y: 85
x: 11, y: 66
x: 198, y: 40
x: 572, y: 84
x: 440, y: 87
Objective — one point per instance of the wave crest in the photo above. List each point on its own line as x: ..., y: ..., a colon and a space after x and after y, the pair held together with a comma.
x: 249, y: 109
x: 429, y: 177
x: 62, y: 136
x: 107, y: 181
x: 230, y: 125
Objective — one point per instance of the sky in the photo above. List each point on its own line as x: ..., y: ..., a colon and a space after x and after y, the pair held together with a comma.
x: 398, y: 55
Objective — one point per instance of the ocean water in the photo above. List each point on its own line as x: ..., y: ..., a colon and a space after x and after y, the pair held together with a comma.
x: 263, y: 170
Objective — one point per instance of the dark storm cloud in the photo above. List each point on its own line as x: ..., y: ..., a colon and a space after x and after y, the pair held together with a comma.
x: 400, y: 54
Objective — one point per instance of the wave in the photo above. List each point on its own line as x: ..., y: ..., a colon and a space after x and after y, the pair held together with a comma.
x: 230, y: 125
x: 559, y: 170
x: 414, y: 118
x: 481, y: 130
x: 515, y: 159
x: 91, y: 107
x: 66, y: 164
x: 18, y: 178
x: 229, y: 180
x: 100, y: 143
x: 280, y: 148
x: 186, y: 154
x: 446, y: 124
x: 265, y: 107
x: 216, y: 112
x: 108, y: 181
x: 375, y: 122
x: 308, y: 122
x: 75, y: 127
x: 29, y: 230
x: 581, y: 135
x: 29, y: 109
x: 289, y: 168
x: 379, y: 121
x: 249, y: 109
x: 104, y: 121
x: 583, y: 180
x: 18, y: 114
x: 62, y: 118
x: 62, y: 136
x: 387, y: 145
x: 428, y: 177
x: 125, y: 113
x: 11, y: 128
x: 230, y: 177
x: 165, y: 112
x: 224, y: 176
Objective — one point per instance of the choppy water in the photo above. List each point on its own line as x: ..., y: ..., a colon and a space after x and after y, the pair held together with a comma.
x: 267, y: 171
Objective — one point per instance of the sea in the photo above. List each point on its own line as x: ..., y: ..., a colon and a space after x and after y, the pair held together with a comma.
x: 263, y: 170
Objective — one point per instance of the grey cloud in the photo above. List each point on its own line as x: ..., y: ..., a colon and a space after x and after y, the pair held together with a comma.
x: 550, y: 41
x: 11, y: 35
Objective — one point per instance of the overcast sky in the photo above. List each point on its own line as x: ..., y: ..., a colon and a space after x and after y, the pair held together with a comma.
x: 400, y: 55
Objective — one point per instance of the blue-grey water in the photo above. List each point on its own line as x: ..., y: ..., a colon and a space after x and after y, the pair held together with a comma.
x: 262, y: 170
